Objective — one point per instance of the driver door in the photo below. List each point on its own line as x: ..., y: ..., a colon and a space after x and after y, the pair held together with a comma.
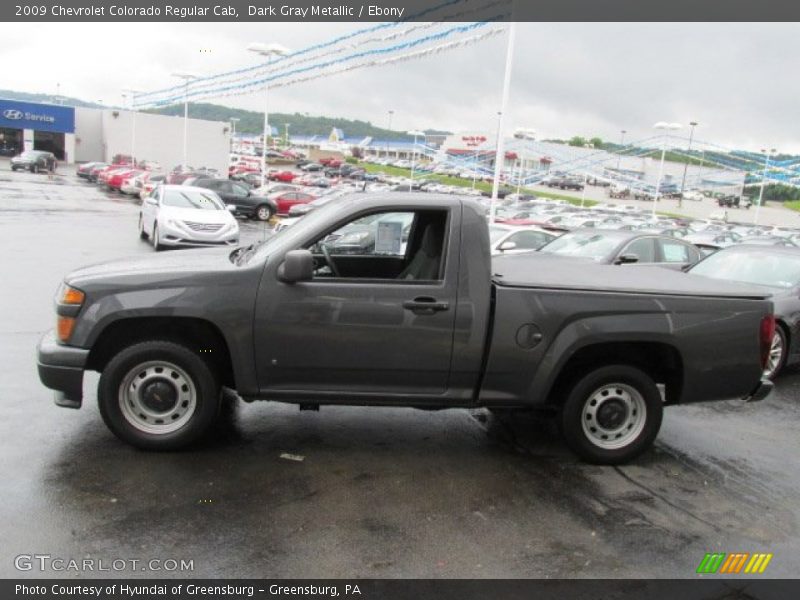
x: 376, y: 319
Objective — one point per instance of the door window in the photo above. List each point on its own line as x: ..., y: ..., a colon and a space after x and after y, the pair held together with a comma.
x: 643, y: 248
x: 675, y: 252
x: 406, y: 245
x: 239, y: 190
x: 529, y: 240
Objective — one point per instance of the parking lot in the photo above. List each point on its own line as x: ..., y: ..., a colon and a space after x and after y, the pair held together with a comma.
x: 380, y: 492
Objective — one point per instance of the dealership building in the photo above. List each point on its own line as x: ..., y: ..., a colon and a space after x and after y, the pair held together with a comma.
x: 77, y: 134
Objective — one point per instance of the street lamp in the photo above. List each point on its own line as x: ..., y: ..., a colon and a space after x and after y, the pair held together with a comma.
x: 267, y: 50
x: 286, y: 134
x: 414, y: 133
x: 234, y: 121
x: 763, y: 179
x: 187, y: 77
x: 389, y: 128
x: 132, y: 95
x: 692, y: 124
x: 665, y: 127
x: 621, y: 146
x: 498, y: 155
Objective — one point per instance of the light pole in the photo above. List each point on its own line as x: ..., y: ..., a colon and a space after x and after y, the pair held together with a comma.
x: 498, y: 157
x: 621, y: 146
x: 763, y: 179
x: 187, y: 77
x: 267, y: 50
x: 475, y: 166
x: 132, y: 95
x: 583, y: 190
x: 665, y: 127
x: 519, y: 176
x: 692, y: 124
x: 414, y: 133
x: 389, y: 129
x: 286, y: 134
x: 234, y: 121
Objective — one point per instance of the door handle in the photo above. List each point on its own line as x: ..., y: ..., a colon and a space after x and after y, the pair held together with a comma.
x: 425, y: 305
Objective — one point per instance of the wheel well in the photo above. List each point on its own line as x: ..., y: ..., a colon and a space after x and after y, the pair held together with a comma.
x: 660, y: 361
x: 199, y: 335
x: 786, y: 332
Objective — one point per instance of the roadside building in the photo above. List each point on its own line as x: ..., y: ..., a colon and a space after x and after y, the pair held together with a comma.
x: 78, y: 134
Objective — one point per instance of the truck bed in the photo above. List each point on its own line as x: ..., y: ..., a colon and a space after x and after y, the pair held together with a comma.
x: 540, y: 271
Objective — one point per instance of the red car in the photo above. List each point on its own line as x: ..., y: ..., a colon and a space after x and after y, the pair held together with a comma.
x: 331, y: 163
x: 115, y: 180
x: 105, y: 173
x: 283, y: 176
x: 286, y: 200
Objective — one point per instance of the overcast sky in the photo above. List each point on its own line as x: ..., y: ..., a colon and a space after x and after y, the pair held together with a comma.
x: 740, y: 81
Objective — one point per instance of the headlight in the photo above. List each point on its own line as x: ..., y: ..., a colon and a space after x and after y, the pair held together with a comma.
x: 68, y: 296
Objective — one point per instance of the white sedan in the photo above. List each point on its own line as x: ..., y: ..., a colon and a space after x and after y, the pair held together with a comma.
x: 180, y: 215
x: 508, y: 239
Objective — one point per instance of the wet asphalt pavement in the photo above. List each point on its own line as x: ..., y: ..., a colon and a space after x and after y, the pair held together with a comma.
x: 381, y: 492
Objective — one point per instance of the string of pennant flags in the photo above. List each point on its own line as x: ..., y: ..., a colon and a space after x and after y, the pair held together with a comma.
x: 352, y: 51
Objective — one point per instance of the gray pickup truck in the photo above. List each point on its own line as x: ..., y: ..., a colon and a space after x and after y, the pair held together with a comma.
x: 419, y: 316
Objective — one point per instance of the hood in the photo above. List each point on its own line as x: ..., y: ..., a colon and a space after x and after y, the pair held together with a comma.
x: 196, y: 216
x: 158, y: 268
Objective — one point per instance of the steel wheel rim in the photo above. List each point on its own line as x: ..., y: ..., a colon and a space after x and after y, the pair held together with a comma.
x: 263, y: 213
x: 628, y: 412
x: 775, y: 355
x: 139, y: 382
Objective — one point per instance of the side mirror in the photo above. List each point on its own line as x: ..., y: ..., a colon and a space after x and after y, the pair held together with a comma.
x: 507, y: 246
x: 627, y: 259
x: 231, y: 207
x: 298, y: 265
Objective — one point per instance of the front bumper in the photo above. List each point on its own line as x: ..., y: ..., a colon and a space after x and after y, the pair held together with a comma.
x: 762, y: 390
x: 171, y: 235
x: 61, y: 369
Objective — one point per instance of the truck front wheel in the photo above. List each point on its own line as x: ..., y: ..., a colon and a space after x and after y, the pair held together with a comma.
x: 612, y: 414
x: 158, y: 395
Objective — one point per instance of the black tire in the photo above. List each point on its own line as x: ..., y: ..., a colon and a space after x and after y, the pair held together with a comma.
x: 126, y: 366
x: 633, y: 410
x: 157, y: 246
x: 263, y: 212
x: 773, y: 372
x: 142, y: 233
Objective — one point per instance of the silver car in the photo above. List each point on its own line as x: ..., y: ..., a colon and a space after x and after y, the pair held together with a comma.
x: 181, y: 215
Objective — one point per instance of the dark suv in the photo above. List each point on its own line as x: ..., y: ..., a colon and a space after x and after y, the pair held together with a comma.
x: 241, y: 196
x: 34, y: 161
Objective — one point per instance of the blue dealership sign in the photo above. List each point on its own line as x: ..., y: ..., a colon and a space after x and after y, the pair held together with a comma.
x: 40, y: 117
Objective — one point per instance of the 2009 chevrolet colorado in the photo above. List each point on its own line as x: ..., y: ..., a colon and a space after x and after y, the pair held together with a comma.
x: 422, y: 317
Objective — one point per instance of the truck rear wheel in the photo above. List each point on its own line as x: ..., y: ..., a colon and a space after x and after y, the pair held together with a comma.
x: 158, y: 395
x: 612, y: 414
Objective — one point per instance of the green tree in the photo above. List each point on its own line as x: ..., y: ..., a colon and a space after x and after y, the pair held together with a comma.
x: 577, y: 141
x: 596, y: 142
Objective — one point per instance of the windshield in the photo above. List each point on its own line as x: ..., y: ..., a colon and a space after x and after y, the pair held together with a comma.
x: 202, y: 200
x: 30, y: 154
x: 585, y: 244
x: 758, y: 267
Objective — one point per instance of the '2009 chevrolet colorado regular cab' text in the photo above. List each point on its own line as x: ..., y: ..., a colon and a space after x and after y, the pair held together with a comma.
x: 420, y: 317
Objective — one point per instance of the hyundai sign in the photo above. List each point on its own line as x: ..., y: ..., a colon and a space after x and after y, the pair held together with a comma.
x: 39, y: 117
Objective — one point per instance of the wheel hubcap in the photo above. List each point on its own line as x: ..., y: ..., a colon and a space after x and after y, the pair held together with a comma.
x: 775, y: 355
x: 613, y: 416
x: 157, y: 397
